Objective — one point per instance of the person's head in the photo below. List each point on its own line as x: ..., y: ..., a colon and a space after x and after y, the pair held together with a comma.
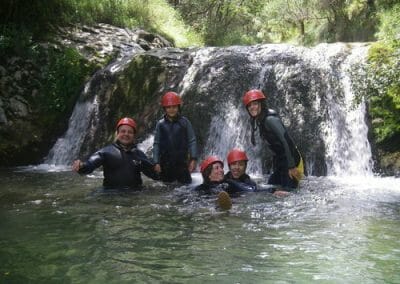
x: 253, y: 101
x: 237, y: 162
x: 171, y: 103
x: 126, y: 130
x: 212, y: 169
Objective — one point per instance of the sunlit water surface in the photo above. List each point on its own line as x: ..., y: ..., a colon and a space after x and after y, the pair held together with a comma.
x: 57, y: 228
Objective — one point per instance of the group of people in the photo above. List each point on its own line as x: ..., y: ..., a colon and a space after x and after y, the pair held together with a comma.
x: 175, y: 154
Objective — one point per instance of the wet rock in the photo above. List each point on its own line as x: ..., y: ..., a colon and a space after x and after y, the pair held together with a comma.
x: 21, y: 80
x: 3, y: 117
x: 19, y: 107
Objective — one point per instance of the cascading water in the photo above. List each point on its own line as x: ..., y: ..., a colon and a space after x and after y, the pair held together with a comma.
x: 323, y: 94
x: 309, y: 87
x: 348, y: 150
x: 84, y: 118
x: 67, y: 147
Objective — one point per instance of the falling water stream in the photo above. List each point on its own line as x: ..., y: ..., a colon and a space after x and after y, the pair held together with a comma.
x: 59, y: 227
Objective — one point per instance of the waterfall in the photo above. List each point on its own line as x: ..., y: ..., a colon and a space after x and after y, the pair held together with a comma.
x: 310, y: 88
x: 325, y: 70
x: 84, y: 118
x: 348, y: 150
x: 67, y: 147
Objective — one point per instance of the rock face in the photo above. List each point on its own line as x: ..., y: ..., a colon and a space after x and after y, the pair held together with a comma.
x: 26, y: 133
x: 308, y: 88
x: 102, y: 43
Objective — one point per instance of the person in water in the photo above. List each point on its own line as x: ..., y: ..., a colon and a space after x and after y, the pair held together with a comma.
x: 175, y: 146
x: 212, y: 171
x: 287, y: 161
x: 237, y: 177
x: 122, y: 162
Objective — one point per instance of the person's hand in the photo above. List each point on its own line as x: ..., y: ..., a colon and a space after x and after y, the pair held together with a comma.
x: 294, y: 174
x: 76, y: 165
x: 192, y: 166
x: 280, y: 193
x: 157, y: 168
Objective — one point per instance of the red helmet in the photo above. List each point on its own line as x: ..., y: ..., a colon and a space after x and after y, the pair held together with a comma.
x: 209, y: 161
x: 170, y: 99
x: 253, y: 95
x: 236, y: 155
x: 127, y: 121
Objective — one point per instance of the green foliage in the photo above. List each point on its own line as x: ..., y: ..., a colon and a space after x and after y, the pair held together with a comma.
x: 16, y: 41
x: 389, y: 24
x: 63, y: 79
x: 40, y: 17
x: 382, y: 89
x: 384, y: 74
x: 223, y: 22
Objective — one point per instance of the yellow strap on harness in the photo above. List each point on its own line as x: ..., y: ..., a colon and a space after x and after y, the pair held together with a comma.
x: 300, y: 168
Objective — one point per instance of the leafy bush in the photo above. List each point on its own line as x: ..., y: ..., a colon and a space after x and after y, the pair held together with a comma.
x: 63, y: 79
x: 384, y: 71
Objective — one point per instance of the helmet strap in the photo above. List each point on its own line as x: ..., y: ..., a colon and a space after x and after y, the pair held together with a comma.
x: 253, y: 130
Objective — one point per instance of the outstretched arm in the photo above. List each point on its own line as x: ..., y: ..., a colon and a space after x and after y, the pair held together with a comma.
x: 95, y: 161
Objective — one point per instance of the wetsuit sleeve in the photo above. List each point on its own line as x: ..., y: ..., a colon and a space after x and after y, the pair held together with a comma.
x: 147, y: 166
x: 192, y: 142
x: 237, y: 186
x: 156, y: 145
x: 275, y: 124
x: 94, y: 161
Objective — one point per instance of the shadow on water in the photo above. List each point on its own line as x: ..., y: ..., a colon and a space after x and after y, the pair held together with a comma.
x: 59, y: 227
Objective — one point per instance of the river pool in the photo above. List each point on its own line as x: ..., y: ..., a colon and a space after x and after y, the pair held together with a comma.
x: 57, y: 228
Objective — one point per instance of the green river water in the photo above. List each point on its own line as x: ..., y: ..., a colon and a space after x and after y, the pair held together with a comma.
x: 55, y: 228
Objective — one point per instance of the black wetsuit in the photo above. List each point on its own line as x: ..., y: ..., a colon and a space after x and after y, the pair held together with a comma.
x: 240, y: 185
x: 174, y: 146
x: 121, y: 167
x: 286, y: 155
x: 232, y: 186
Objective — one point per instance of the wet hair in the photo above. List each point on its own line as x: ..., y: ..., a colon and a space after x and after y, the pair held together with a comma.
x: 206, y: 173
x: 253, y: 120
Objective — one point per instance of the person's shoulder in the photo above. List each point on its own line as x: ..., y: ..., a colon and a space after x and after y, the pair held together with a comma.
x: 272, y: 112
x: 137, y: 151
x: 202, y: 188
x: 110, y: 147
x: 161, y: 120
x: 184, y: 119
x: 272, y: 116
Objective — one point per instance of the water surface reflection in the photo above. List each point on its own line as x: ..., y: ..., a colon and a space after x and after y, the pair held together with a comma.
x: 56, y: 227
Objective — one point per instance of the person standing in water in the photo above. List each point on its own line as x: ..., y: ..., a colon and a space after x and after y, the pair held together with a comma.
x: 122, y: 162
x: 287, y: 161
x: 175, y: 146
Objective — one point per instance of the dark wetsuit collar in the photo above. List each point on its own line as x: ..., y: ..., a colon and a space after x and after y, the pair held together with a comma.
x: 172, y: 119
x: 123, y: 147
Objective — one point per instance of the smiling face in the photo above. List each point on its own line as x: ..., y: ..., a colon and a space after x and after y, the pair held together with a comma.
x: 172, y: 111
x: 217, y: 172
x: 237, y: 169
x: 125, y: 135
x: 254, y: 108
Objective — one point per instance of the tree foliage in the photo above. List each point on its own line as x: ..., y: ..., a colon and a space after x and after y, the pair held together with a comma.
x: 229, y: 22
x: 383, y: 88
